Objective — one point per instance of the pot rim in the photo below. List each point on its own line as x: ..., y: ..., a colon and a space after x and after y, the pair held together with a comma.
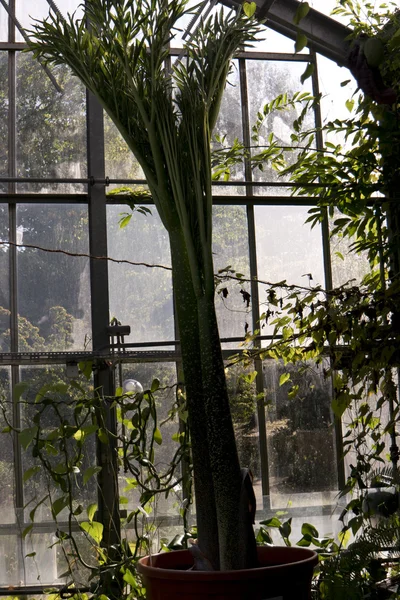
x: 309, y: 561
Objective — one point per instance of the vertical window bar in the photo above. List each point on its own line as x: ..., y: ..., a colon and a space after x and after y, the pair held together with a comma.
x: 12, y: 212
x: 254, y: 276
x: 326, y: 248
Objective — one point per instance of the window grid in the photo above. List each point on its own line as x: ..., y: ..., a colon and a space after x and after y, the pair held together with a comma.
x: 95, y: 197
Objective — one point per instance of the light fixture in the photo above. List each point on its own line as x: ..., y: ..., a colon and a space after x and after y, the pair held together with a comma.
x: 132, y: 386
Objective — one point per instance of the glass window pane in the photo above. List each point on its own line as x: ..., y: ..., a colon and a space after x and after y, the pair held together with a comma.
x: 265, y: 81
x: 230, y: 248
x: 300, y: 435
x: 229, y: 127
x: 10, y: 560
x: 334, y: 96
x: 4, y: 282
x: 242, y: 396
x: 7, y: 502
x: 51, y: 127
x: 53, y: 288
x: 140, y: 296
x: 287, y: 247
x: 165, y: 399
x: 52, y: 416
x: 3, y: 25
x: 120, y: 162
x: 272, y: 41
x: 3, y: 117
x: 28, y: 10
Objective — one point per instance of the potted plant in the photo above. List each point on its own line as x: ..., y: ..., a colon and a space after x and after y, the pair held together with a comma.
x: 166, y: 116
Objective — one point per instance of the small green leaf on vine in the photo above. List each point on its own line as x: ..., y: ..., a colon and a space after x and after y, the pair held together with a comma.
x: 302, y: 11
x: 94, y: 529
x: 91, y: 511
x: 249, y: 8
x: 90, y: 471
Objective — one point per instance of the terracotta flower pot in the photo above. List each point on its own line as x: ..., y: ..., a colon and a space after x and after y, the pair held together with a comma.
x: 284, y: 574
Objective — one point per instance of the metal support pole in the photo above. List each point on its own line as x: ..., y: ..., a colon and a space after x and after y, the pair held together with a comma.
x: 108, y: 496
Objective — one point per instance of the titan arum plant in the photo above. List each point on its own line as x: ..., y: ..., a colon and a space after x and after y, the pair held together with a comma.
x: 166, y: 117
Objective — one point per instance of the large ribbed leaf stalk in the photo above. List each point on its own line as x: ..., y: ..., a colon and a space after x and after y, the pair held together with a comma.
x: 167, y: 119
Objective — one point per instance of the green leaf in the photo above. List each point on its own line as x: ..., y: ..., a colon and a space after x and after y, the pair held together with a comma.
x: 90, y: 471
x: 157, y: 436
x: 30, y: 472
x: 310, y: 68
x: 94, y: 529
x: 86, y: 367
x: 103, y: 437
x: 26, y: 436
x: 301, y: 42
x: 91, y: 510
x: 155, y: 384
x: 302, y: 11
x: 273, y: 522
x: 307, y: 529
x: 249, y: 8
x: 27, y: 530
x: 344, y: 537
x: 58, y: 505
x: 349, y: 105
x: 284, y: 378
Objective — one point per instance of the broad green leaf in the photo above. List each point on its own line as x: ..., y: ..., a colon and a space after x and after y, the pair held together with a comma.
x: 94, y: 529
x: 301, y: 42
x: 249, y: 8
x: 349, y: 105
x: 344, y: 537
x: 26, y: 436
x: 155, y: 384
x: 27, y: 530
x: 273, y: 522
x: 103, y: 437
x: 302, y: 11
x: 86, y: 367
x: 30, y: 472
x: 310, y: 68
x: 307, y: 529
x: 284, y: 378
x: 91, y: 510
x: 90, y: 471
x: 59, y: 504
x: 130, y: 578
x: 157, y: 436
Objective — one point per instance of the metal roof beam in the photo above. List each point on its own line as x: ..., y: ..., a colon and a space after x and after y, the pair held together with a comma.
x: 324, y: 34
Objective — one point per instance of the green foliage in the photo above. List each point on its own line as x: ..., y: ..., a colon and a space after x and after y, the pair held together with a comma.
x: 67, y: 423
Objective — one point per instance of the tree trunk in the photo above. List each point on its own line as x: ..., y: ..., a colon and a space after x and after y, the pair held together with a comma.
x: 186, y: 309
x: 225, y: 530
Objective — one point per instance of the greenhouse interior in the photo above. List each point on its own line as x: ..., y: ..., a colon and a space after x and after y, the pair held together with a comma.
x: 303, y: 214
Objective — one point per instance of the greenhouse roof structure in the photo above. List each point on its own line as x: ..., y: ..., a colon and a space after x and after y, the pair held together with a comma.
x: 324, y: 34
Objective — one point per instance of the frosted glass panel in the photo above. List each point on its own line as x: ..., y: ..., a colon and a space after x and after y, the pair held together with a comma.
x: 51, y: 417
x: 51, y: 127
x: 3, y: 117
x: 4, y: 282
x: 266, y: 80
x: 230, y: 248
x: 28, y: 10
x: 300, y: 435
x: 140, y: 296
x: 3, y: 25
x: 53, y: 288
x: 7, y: 501
x: 287, y: 248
